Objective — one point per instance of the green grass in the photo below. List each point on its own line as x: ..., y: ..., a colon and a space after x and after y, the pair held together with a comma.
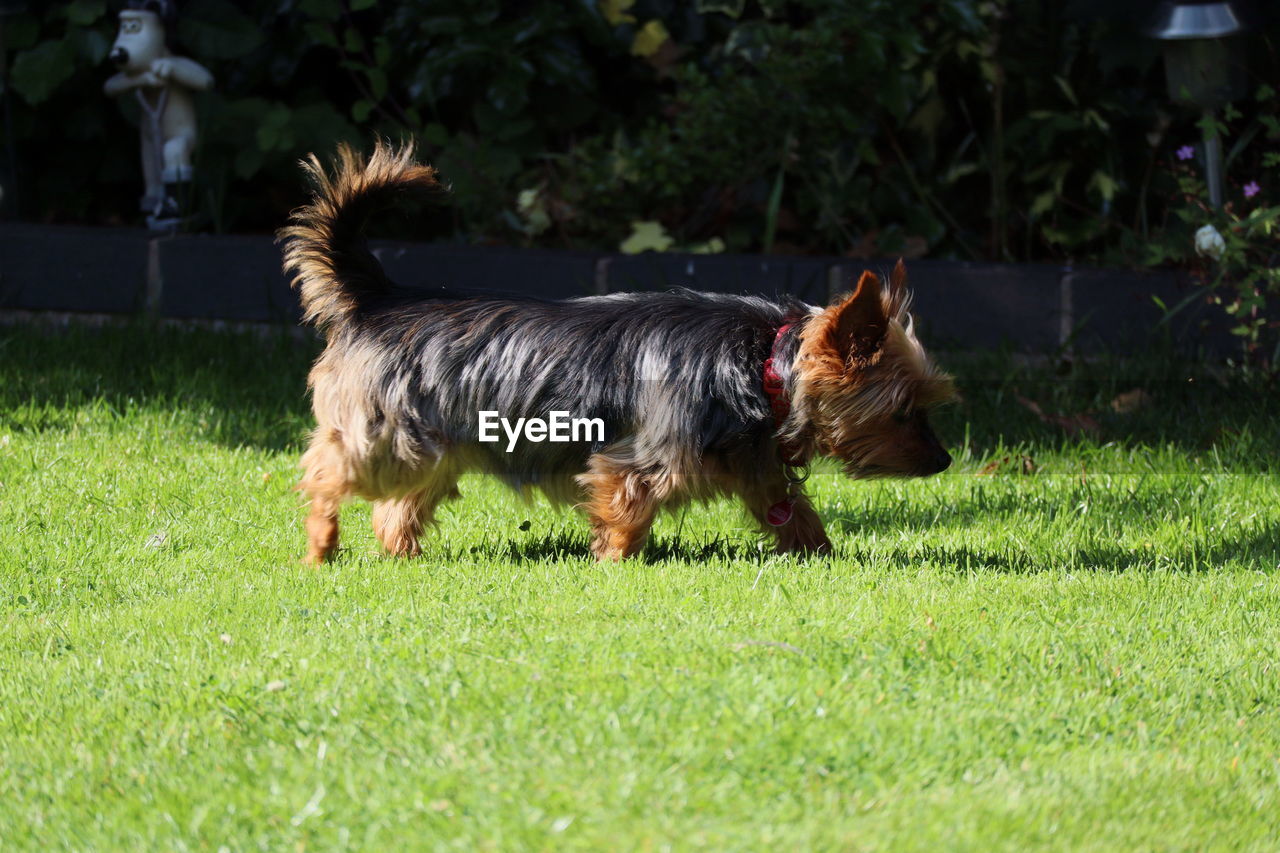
x: 1079, y: 652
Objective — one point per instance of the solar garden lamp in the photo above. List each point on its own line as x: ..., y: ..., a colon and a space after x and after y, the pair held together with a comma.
x: 1201, y: 66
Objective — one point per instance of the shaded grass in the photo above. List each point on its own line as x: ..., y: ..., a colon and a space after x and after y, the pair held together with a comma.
x: 1083, y: 656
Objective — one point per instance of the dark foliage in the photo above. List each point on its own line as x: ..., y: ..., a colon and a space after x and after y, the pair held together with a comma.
x: 999, y: 129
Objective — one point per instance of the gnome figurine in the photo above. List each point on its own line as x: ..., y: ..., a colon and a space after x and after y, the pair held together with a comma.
x: 163, y: 84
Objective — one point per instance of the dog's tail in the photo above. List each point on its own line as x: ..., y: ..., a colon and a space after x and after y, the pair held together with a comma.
x: 324, y: 246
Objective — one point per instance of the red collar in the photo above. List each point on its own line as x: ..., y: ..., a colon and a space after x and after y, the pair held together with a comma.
x: 779, y: 402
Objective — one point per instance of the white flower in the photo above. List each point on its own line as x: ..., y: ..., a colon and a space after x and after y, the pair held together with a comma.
x: 1209, y: 242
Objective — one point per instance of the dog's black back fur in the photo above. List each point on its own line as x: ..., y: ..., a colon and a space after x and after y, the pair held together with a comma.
x: 659, y: 368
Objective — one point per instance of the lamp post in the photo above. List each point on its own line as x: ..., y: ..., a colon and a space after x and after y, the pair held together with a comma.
x: 1201, y: 66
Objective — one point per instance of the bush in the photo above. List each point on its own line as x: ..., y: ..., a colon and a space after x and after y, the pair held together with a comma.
x: 1001, y: 129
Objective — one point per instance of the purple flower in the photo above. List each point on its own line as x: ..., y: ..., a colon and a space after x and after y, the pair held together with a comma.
x: 1186, y: 152
x: 1251, y: 189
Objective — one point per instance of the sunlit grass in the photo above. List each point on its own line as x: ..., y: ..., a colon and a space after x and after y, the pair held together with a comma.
x: 1061, y: 642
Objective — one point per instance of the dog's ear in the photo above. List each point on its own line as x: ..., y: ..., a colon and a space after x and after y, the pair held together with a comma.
x: 860, y: 322
x: 897, y: 293
x: 898, y: 280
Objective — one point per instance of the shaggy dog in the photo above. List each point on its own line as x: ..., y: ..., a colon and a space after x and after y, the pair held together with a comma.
x: 696, y: 394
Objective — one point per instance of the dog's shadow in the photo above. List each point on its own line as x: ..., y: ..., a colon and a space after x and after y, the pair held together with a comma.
x: 567, y: 545
x: 1260, y: 546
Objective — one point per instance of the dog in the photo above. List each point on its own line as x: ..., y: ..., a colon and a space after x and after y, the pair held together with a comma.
x: 697, y: 395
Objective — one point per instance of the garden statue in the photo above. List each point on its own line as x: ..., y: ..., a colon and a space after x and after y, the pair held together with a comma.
x: 163, y: 84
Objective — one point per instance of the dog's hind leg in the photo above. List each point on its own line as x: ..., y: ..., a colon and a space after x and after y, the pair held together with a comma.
x: 621, y: 506
x: 399, y: 522
x: 325, y: 482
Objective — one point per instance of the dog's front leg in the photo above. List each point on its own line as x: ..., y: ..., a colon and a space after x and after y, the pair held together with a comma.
x: 804, y: 533
x: 791, y: 519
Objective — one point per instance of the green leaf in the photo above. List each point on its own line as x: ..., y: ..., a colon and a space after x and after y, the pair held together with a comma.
x: 249, y: 161
x: 929, y: 117
x: 649, y: 38
x: 216, y: 29
x: 82, y: 13
x: 278, y: 116
x: 360, y: 110
x: 959, y: 171
x: 435, y: 134
x: 329, y: 10
x: 276, y: 131
x: 1209, y: 125
x: 320, y: 33
x: 867, y: 151
x: 1055, y: 235
x: 1096, y: 119
x: 37, y: 72
x: 318, y: 121
x: 732, y: 8
x: 615, y: 11
x: 1043, y: 204
x: 1066, y: 89
x: 646, y: 237
x: 377, y: 82
x: 1104, y: 184
x: 488, y: 120
x: 268, y: 136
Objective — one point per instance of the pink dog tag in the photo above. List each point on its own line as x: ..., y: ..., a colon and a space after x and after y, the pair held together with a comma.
x: 780, y: 513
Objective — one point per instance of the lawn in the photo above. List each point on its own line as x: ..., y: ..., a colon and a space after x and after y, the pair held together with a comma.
x: 1068, y: 641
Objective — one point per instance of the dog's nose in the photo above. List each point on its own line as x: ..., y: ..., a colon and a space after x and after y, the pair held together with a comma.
x: 941, y: 461
x: 118, y: 56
